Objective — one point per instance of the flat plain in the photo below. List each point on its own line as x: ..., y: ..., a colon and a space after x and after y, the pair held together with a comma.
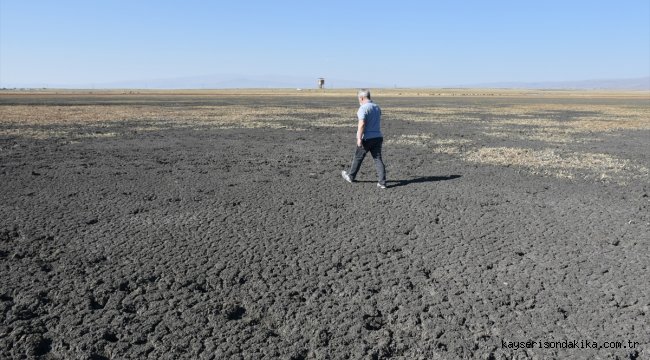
x: 215, y: 224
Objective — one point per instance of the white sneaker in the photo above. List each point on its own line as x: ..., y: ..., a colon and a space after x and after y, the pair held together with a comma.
x: 346, y: 176
x: 381, y: 186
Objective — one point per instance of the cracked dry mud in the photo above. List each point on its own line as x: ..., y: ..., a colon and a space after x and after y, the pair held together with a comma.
x: 169, y: 232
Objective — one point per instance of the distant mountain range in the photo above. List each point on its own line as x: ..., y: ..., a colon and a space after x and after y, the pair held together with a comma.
x: 212, y: 82
x: 642, y: 83
x: 241, y: 81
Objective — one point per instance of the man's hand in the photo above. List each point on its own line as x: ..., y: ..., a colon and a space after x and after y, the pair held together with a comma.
x: 360, y: 128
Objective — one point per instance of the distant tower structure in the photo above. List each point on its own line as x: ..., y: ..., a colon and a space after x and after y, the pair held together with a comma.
x: 321, y: 83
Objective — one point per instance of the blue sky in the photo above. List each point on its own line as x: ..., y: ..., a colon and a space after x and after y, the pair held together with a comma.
x: 403, y: 43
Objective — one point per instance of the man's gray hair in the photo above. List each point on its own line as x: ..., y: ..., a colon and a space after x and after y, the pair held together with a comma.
x: 364, y: 93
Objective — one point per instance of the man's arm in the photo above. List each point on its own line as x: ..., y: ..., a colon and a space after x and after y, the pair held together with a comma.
x: 362, y: 125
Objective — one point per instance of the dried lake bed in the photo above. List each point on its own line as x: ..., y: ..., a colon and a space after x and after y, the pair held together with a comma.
x: 215, y: 224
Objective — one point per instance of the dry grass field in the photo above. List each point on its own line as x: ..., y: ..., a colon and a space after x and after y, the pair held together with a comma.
x: 551, y: 125
x: 215, y: 224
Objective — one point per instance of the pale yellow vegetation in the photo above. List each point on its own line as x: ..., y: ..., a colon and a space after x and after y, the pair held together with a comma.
x: 552, y: 121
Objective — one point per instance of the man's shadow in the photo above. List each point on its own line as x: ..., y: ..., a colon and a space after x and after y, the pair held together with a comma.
x: 424, y: 179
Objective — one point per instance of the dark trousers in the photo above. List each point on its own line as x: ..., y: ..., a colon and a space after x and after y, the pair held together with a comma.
x: 374, y: 147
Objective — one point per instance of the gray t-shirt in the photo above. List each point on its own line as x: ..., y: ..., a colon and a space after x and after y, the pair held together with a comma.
x: 371, y: 114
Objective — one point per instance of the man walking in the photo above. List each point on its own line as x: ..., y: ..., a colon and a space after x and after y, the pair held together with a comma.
x: 369, y: 139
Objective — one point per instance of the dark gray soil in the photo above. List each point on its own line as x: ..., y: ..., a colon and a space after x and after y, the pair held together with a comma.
x: 247, y: 244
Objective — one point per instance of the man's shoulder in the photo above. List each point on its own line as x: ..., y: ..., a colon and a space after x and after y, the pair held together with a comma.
x: 369, y: 105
